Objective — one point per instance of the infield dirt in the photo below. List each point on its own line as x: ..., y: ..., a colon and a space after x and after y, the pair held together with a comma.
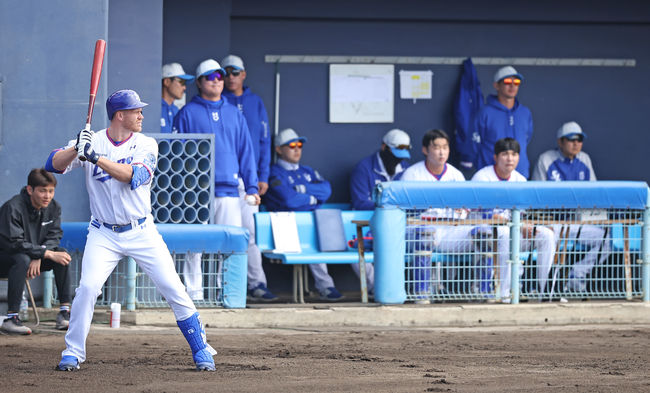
x: 155, y: 359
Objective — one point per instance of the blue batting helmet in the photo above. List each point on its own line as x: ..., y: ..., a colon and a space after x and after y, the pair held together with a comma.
x: 121, y: 100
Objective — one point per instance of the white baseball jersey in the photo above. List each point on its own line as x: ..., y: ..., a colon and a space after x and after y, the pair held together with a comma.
x: 488, y: 173
x: 419, y: 172
x: 112, y: 201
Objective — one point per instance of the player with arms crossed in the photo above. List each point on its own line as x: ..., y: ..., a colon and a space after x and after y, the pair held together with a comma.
x: 119, y: 163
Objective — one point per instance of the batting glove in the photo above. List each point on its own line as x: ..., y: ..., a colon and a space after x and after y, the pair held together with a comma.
x: 83, y: 137
x: 90, y: 154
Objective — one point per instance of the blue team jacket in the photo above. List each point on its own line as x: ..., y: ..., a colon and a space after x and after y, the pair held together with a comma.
x: 493, y: 122
x: 469, y: 100
x: 283, y: 196
x: 168, y: 112
x: 365, y: 176
x: 252, y: 106
x: 233, y: 150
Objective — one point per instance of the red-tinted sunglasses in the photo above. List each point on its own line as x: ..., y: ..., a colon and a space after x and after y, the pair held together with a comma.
x: 511, y: 81
x: 293, y: 145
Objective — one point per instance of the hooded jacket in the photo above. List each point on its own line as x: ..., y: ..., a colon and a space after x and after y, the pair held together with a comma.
x: 252, y: 107
x: 494, y: 121
x: 25, y: 230
x: 234, y: 155
x: 468, y: 102
x: 366, y: 175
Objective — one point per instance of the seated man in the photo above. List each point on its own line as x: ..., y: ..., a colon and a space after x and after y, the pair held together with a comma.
x: 569, y: 162
x: 385, y: 165
x: 295, y: 187
x: 30, y: 232
x: 448, y: 239
x: 506, y: 158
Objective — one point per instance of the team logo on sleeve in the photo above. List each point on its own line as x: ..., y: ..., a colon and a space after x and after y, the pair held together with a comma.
x: 150, y: 161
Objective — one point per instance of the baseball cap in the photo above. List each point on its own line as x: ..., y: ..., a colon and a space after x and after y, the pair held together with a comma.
x: 122, y: 100
x: 505, y: 72
x: 288, y: 135
x: 233, y: 61
x: 397, y: 139
x: 570, y: 129
x: 172, y: 70
x: 207, y: 67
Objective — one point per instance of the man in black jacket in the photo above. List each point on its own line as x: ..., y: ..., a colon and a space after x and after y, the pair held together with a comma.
x: 30, y: 232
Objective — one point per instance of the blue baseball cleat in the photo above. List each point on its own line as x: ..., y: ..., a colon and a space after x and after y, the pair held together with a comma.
x: 68, y: 363
x: 194, y: 333
x: 204, y: 361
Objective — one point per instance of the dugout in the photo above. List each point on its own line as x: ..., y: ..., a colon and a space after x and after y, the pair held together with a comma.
x: 46, y: 47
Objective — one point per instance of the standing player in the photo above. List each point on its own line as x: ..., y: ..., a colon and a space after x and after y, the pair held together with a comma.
x: 503, y: 116
x: 174, y: 79
x: 252, y: 107
x: 119, y: 165
x: 506, y: 158
x: 209, y: 113
x: 449, y: 239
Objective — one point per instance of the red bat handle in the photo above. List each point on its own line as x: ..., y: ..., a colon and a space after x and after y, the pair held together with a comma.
x: 100, y: 48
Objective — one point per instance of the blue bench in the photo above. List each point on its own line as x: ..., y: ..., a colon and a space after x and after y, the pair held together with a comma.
x: 309, y: 244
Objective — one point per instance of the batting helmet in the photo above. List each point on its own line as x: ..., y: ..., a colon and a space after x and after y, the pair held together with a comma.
x: 121, y: 100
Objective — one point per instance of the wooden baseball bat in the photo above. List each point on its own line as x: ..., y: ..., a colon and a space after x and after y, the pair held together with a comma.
x: 98, y: 62
x: 100, y: 48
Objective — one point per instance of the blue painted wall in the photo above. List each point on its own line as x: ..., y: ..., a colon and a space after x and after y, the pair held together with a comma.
x: 47, y: 47
x: 608, y: 102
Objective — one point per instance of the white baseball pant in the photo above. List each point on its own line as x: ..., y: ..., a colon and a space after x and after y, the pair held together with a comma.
x: 104, y: 249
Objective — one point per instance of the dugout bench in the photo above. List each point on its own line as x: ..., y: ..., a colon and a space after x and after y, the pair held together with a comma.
x: 310, y: 253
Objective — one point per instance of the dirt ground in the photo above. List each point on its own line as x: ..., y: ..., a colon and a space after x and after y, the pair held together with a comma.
x: 156, y: 359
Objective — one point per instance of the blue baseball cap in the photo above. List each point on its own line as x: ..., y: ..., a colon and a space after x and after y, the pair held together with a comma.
x: 122, y: 100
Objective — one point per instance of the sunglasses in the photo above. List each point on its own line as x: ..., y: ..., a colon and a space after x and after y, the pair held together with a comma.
x: 293, y: 145
x: 511, y: 81
x: 403, y: 147
x: 576, y: 138
x: 218, y: 75
x: 181, y: 81
x: 233, y: 72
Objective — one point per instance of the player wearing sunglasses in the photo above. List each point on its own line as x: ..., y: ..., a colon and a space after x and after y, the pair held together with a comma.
x: 208, y: 113
x: 296, y: 187
x: 174, y: 79
x: 503, y: 117
x: 252, y: 107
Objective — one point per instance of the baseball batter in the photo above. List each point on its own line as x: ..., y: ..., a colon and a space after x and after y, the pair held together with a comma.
x: 119, y: 163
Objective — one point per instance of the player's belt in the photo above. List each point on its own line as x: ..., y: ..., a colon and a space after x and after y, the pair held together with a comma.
x: 123, y: 228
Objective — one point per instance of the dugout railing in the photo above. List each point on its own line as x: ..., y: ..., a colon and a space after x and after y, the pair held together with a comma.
x: 224, y: 266
x: 506, y: 242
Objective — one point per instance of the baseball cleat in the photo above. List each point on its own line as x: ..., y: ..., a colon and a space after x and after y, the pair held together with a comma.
x: 204, y: 361
x: 68, y: 363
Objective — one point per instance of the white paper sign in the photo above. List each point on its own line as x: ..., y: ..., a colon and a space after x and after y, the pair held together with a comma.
x: 285, y: 232
x: 362, y: 93
x: 415, y: 84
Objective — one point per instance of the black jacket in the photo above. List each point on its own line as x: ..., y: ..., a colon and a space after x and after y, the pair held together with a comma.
x: 26, y: 230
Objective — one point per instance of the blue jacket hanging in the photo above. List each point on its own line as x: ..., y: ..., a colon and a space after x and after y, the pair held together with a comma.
x: 467, y: 103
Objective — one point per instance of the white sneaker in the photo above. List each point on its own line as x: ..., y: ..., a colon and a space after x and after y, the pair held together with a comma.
x: 14, y: 325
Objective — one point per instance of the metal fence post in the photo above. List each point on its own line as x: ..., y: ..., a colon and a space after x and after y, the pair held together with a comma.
x: 130, y: 284
x: 645, y: 249
x: 515, y: 241
x: 47, y: 288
